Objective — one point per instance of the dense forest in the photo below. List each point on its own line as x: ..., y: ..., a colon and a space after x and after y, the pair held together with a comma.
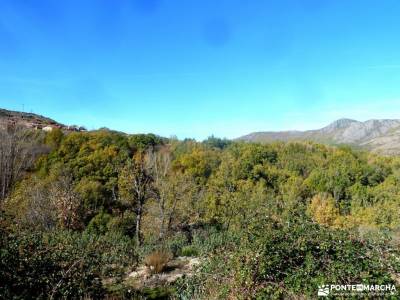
x: 82, y: 210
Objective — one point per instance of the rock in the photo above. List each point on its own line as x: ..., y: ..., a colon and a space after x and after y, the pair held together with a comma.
x: 175, y: 269
x: 140, y: 272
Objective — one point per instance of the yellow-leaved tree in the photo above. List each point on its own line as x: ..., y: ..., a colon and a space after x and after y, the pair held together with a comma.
x: 323, y: 210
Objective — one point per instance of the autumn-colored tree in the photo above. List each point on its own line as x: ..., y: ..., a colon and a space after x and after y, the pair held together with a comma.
x: 323, y: 210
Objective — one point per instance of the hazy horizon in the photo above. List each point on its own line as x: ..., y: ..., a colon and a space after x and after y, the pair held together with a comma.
x: 193, y: 69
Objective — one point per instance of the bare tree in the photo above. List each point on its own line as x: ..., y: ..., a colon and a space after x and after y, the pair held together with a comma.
x: 40, y: 212
x: 17, y: 154
x: 169, y: 187
x: 135, y: 184
x: 67, y: 202
x: 160, y: 167
x: 47, y: 204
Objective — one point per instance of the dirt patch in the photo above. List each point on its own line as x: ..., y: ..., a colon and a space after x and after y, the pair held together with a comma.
x: 175, y: 269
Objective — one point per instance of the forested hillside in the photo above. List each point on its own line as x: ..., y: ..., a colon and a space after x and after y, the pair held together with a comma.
x: 82, y: 210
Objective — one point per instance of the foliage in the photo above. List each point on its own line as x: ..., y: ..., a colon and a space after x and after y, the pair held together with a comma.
x: 98, y: 224
x: 273, y: 220
x: 323, y: 211
x: 123, y: 223
x: 54, y: 137
x: 215, y: 142
x: 60, y: 264
x: 189, y: 251
x: 142, y: 142
x: 282, y: 261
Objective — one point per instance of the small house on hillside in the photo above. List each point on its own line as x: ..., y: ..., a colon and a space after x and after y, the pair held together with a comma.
x: 47, y: 128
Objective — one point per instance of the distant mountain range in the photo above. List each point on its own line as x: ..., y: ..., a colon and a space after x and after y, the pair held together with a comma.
x: 381, y: 136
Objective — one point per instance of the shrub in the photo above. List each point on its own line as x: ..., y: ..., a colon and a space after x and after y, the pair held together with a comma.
x: 172, y: 244
x: 212, y: 239
x: 124, y: 224
x: 189, y: 251
x: 157, y: 261
x: 98, y: 225
x: 61, y: 264
x: 37, y: 267
x: 282, y: 261
x: 175, y: 243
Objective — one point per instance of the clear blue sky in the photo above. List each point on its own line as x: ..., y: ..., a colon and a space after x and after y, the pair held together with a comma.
x: 196, y: 68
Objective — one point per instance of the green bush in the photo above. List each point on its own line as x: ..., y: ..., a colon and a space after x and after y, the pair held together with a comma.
x: 189, y: 251
x: 176, y: 243
x: 60, y: 264
x: 213, y: 239
x: 38, y: 266
x: 303, y: 256
x: 276, y: 261
x: 98, y: 225
x: 124, y: 224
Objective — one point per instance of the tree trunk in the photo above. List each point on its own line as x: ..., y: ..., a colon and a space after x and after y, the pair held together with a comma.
x: 162, y: 227
x: 138, y: 235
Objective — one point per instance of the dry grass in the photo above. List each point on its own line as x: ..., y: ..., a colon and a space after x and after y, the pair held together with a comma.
x: 157, y: 261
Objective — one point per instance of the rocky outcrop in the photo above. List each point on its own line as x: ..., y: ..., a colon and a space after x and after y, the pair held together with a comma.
x: 175, y: 269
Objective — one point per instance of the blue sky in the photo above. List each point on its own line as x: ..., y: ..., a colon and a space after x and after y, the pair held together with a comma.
x: 195, y: 68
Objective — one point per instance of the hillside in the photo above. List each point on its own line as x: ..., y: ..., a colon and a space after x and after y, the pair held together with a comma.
x: 382, y: 136
x: 31, y: 120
